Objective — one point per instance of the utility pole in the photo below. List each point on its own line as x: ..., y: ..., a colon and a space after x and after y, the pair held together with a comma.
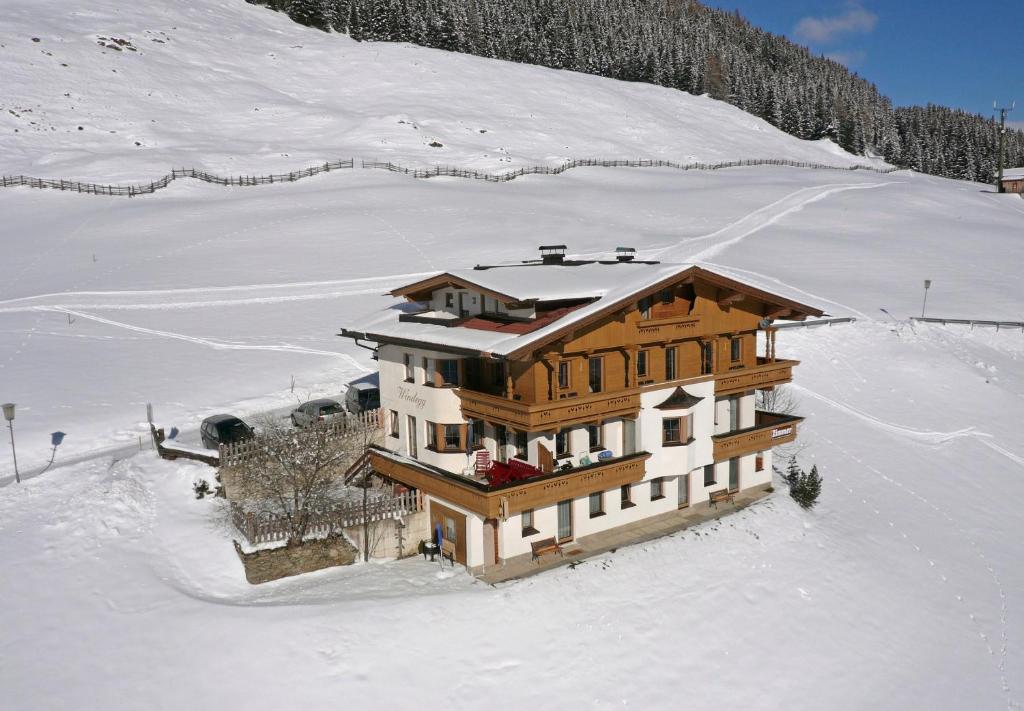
x: 1003, y: 110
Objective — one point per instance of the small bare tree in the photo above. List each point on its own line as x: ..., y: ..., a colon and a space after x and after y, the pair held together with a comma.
x: 295, y: 474
x: 779, y: 400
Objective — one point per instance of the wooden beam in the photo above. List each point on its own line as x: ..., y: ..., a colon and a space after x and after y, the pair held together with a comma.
x: 731, y: 297
x: 779, y: 313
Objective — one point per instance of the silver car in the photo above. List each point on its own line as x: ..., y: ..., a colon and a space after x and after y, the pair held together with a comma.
x: 317, y: 412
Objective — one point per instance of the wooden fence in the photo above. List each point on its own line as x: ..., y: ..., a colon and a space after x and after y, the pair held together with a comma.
x: 437, y: 171
x: 972, y: 322
x: 237, y: 452
x: 176, y: 174
x: 267, y: 527
x: 451, y: 172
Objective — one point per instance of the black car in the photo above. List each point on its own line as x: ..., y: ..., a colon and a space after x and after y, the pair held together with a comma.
x: 224, y: 429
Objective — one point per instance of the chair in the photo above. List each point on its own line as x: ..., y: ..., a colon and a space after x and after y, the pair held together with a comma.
x: 483, y: 462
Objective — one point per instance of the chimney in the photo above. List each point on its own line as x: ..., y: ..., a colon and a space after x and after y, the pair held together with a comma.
x: 552, y: 253
x: 625, y: 254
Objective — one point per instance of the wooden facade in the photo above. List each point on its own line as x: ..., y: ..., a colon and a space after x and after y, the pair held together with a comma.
x: 1012, y: 185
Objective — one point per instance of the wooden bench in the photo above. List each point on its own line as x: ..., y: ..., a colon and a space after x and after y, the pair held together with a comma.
x: 548, y: 545
x: 448, y: 551
x: 717, y: 497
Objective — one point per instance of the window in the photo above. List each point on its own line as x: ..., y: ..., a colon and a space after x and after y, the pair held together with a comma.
x: 594, y: 436
x: 759, y: 463
x: 476, y: 433
x: 393, y: 423
x: 562, y: 443
x: 709, y: 474
x: 563, y: 375
x: 671, y: 431
x: 452, y: 437
x: 449, y: 299
x: 449, y: 529
x: 683, y: 492
x: 519, y: 440
x: 449, y: 371
x: 641, y: 364
x: 670, y: 363
x: 645, y: 308
x: 626, y: 497
x: 428, y: 371
x: 596, y: 504
x: 596, y: 372
x: 527, y: 520
x: 736, y: 349
x: 500, y: 437
x: 409, y: 370
x: 411, y: 426
x: 431, y: 435
x: 656, y: 489
x: 707, y: 358
x: 498, y: 374
x: 666, y: 296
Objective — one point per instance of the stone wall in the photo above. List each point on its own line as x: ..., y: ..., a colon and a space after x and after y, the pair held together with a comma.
x: 273, y: 564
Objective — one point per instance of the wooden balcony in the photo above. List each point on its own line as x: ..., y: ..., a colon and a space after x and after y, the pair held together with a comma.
x: 544, y: 416
x: 769, y: 430
x: 667, y: 329
x: 766, y: 374
x: 497, y: 501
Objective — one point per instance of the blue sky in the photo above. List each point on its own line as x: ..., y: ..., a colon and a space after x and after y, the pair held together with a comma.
x: 952, y: 52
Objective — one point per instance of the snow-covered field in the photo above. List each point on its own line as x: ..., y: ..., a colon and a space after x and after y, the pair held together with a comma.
x: 903, y: 589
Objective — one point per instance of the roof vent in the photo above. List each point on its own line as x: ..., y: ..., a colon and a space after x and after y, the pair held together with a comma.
x: 625, y: 254
x: 552, y: 253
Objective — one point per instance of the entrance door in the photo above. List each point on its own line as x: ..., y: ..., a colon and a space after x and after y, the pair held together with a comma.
x: 564, y: 520
x: 411, y: 422
x: 734, y: 474
x: 490, y: 541
x: 453, y: 528
x: 734, y: 413
x: 684, y: 490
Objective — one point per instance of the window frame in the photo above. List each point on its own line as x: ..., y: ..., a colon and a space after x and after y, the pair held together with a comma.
x: 526, y: 523
x: 595, y: 444
x: 657, y: 489
x: 442, y: 365
x: 596, y: 497
x: 565, y: 433
x: 666, y: 423
x: 564, y: 375
x: 393, y: 423
x: 449, y: 299
x: 644, y: 307
x: 736, y: 349
x: 710, y: 469
x: 626, y: 497
x: 642, y: 363
x: 446, y: 431
x: 521, y: 445
x: 409, y: 362
x: 671, y: 363
x: 599, y: 361
x: 666, y: 296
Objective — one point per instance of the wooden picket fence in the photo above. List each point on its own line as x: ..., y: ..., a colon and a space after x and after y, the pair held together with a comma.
x: 238, y: 452
x: 437, y: 171
x: 452, y: 172
x: 176, y: 174
x: 265, y: 527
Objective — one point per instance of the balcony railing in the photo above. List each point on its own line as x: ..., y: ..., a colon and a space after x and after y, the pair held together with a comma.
x: 667, y: 329
x: 769, y: 430
x: 547, y: 415
x: 514, y: 497
x: 766, y: 374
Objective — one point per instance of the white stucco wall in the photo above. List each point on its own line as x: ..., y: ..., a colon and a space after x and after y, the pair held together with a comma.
x: 673, y: 461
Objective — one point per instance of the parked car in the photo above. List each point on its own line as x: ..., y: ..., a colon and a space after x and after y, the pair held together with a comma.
x: 322, y: 410
x: 224, y: 429
x: 362, y: 397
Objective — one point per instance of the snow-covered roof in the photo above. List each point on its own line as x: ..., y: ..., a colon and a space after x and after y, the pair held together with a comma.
x: 610, y: 284
x: 1013, y: 173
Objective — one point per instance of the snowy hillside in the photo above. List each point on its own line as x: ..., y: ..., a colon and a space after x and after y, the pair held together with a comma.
x: 110, y: 91
x: 902, y: 590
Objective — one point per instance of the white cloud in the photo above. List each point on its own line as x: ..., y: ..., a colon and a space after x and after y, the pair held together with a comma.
x: 822, y: 30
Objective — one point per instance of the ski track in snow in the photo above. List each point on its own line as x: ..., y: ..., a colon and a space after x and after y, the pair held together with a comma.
x: 757, y: 220
x: 217, y: 345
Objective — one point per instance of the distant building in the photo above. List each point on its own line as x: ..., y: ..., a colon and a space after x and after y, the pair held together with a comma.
x: 550, y: 400
x: 1013, y: 181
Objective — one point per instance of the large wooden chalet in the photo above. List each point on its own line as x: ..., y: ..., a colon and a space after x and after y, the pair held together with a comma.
x: 558, y: 398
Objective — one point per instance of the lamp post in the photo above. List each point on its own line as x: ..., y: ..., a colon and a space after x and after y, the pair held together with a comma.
x: 927, y: 285
x: 55, y: 439
x: 9, y: 416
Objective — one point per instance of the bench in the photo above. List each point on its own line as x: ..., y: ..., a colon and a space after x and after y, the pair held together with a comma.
x: 717, y: 497
x: 548, y: 545
x: 448, y: 551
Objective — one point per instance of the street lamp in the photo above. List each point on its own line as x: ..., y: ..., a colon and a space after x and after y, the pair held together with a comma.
x: 927, y: 285
x: 55, y: 439
x: 9, y: 416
